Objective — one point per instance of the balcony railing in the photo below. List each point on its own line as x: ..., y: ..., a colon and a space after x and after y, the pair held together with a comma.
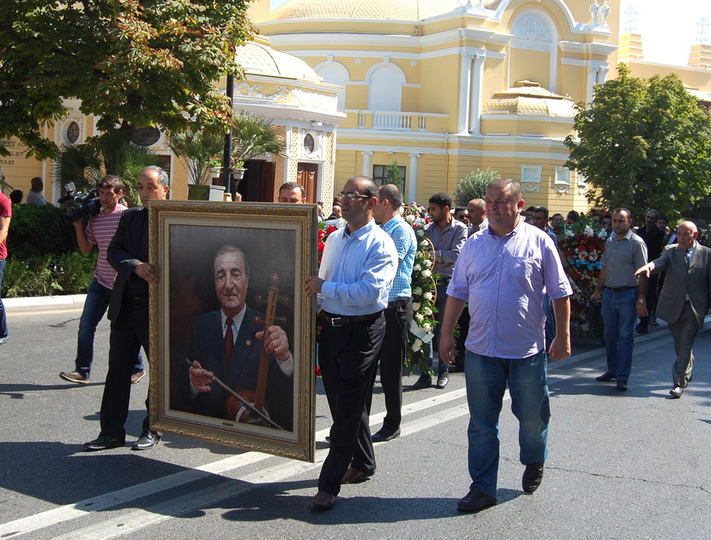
x: 395, y: 121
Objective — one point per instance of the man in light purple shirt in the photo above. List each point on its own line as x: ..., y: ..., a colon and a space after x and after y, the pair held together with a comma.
x: 504, y: 273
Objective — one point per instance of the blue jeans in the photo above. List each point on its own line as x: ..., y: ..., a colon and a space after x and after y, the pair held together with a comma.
x: 3, y: 318
x: 486, y: 379
x: 619, y: 315
x: 95, y: 305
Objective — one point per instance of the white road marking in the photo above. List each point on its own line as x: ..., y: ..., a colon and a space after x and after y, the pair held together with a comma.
x: 221, y: 467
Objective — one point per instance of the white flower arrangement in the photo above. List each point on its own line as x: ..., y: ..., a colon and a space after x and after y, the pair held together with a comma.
x: 423, y: 293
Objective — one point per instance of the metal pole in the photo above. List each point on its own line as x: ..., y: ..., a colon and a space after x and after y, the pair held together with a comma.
x: 227, y: 160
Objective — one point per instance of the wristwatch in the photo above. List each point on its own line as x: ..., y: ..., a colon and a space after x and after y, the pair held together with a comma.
x: 641, y: 300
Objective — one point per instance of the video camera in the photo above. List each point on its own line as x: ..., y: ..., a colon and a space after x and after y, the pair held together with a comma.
x: 86, y: 204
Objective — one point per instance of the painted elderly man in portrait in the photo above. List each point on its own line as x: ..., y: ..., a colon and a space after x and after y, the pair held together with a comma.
x: 227, y: 344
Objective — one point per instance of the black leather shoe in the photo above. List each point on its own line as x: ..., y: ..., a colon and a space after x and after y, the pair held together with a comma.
x: 442, y: 379
x: 605, y: 377
x: 532, y: 477
x: 104, y: 443
x: 148, y: 439
x: 355, y: 476
x: 425, y: 381
x: 622, y: 386
x: 475, y: 501
x: 385, y: 435
x: 323, y: 501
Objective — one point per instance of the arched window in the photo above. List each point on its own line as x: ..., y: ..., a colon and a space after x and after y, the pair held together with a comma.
x: 335, y: 73
x: 385, y: 88
x: 534, y: 49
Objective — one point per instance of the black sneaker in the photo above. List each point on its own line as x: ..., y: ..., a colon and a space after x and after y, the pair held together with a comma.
x: 425, y: 381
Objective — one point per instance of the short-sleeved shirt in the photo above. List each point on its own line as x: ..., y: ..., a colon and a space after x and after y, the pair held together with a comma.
x: 100, y: 231
x: 505, y: 279
x: 621, y: 259
x: 406, y: 244
x: 5, y: 212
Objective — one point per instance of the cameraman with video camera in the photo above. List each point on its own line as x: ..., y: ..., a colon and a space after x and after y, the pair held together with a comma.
x: 99, y: 231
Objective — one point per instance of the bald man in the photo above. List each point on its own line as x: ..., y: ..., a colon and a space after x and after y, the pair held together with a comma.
x: 684, y: 300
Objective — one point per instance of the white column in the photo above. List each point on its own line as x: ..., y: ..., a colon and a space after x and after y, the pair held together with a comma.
x: 602, y: 74
x: 412, y: 178
x: 476, y: 89
x: 465, y: 83
x: 591, y: 82
x: 366, y: 163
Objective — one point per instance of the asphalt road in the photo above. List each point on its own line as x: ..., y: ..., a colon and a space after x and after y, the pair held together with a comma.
x: 621, y: 465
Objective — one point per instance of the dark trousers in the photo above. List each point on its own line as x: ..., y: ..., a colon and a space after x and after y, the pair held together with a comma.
x: 348, y: 358
x: 652, y: 300
x: 684, y: 331
x: 392, y: 358
x: 129, y: 332
x: 97, y: 300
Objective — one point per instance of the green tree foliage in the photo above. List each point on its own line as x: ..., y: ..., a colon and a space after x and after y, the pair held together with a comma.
x: 37, y: 230
x: 394, y: 176
x: 110, y: 153
x: 643, y: 144
x: 473, y: 186
x: 131, y: 62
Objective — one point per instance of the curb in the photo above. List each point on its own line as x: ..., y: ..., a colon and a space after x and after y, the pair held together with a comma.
x: 43, y: 303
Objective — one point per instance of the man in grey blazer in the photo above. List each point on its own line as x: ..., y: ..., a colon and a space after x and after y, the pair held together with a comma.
x: 684, y: 299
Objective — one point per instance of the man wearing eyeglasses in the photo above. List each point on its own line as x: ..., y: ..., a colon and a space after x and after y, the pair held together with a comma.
x: 357, y: 271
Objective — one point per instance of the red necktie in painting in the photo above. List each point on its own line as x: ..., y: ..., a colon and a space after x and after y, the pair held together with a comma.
x: 229, y: 345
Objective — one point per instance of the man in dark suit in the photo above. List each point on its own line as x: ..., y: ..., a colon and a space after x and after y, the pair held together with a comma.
x: 227, y: 344
x: 684, y: 299
x: 128, y: 313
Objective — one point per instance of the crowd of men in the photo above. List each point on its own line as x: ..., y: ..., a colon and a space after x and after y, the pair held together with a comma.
x: 501, y: 277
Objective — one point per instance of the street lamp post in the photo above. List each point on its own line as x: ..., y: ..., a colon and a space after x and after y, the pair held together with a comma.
x: 227, y: 160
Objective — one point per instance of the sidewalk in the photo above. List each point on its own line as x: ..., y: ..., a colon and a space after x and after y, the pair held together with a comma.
x: 43, y: 303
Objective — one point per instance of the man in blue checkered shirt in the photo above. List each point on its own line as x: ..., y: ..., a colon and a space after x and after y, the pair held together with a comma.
x: 398, y: 315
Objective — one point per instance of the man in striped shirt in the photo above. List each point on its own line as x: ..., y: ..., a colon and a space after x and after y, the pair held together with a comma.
x: 398, y: 314
x: 99, y: 231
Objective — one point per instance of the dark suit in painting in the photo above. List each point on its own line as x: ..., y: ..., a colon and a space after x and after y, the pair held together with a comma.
x: 207, y: 348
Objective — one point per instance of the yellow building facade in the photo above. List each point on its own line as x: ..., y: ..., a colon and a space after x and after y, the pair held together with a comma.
x: 443, y: 87
x: 446, y: 87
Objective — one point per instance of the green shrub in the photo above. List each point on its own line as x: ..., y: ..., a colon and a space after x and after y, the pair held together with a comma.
x: 36, y: 230
x: 29, y: 277
x: 43, y: 257
x: 74, y: 271
x: 473, y: 186
x: 45, y: 275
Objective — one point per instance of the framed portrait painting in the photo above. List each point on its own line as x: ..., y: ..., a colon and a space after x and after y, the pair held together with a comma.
x: 232, y: 332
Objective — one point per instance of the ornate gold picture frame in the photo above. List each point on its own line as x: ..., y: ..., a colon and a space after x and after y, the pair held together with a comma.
x: 255, y: 400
